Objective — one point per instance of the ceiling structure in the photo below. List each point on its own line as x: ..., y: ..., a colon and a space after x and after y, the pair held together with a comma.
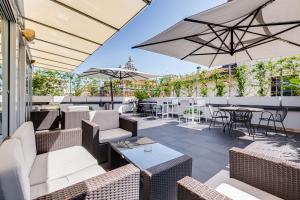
x: 69, y: 31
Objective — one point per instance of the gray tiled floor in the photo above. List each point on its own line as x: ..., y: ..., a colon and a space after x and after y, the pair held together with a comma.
x: 209, y: 147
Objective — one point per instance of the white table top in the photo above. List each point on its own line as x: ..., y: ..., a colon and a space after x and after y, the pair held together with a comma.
x: 250, y: 109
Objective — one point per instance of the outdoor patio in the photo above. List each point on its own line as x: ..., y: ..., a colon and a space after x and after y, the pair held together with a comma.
x: 209, y: 148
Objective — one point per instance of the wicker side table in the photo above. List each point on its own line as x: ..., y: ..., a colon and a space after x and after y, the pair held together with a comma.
x: 158, y: 181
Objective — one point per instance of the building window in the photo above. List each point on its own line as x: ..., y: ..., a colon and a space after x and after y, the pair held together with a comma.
x: 3, y: 61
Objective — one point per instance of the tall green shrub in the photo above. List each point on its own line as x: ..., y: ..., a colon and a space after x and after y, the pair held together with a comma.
x: 219, y: 80
x: 203, y: 79
x: 241, y: 75
x: 177, y: 85
x: 262, y: 75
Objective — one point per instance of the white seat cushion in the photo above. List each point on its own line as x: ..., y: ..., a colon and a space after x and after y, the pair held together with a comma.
x: 25, y: 133
x: 238, y: 190
x: 106, y: 119
x: 14, y: 181
x: 113, y: 135
x: 60, y: 163
x: 60, y: 183
x: 77, y: 108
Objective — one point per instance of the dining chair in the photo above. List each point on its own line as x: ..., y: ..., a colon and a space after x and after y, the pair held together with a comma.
x: 241, y: 116
x: 217, y: 114
x: 277, y: 117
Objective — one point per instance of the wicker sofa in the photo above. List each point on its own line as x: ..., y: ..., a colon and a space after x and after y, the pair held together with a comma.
x: 106, y: 126
x: 252, y: 176
x: 54, y: 165
x: 71, y: 116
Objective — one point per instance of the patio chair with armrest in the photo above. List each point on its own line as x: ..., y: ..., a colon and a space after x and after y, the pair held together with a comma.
x: 71, y: 116
x: 106, y: 126
x: 217, y: 114
x: 279, y: 116
x: 54, y: 165
x: 161, y: 109
x: 252, y: 176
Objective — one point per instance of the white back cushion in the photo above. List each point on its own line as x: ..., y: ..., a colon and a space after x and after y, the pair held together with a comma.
x: 14, y: 179
x: 25, y: 134
x: 77, y: 108
x: 106, y: 119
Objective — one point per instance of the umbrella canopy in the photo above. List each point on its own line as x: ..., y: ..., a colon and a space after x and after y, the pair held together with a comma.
x: 116, y: 73
x: 234, y: 32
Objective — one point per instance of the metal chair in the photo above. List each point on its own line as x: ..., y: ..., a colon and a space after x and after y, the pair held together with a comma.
x: 161, y: 109
x: 278, y: 116
x: 217, y: 114
x: 240, y: 116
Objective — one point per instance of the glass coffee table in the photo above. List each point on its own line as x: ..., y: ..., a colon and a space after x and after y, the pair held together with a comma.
x: 161, y: 167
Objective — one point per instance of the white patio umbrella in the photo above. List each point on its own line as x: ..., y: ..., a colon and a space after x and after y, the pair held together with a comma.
x: 234, y: 32
x: 116, y: 73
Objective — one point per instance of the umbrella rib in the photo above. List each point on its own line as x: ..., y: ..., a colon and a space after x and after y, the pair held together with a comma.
x: 222, y: 41
x: 271, y: 24
x: 270, y: 36
x: 213, y: 60
x: 207, y: 54
x: 207, y: 23
x: 244, y: 33
x: 242, y: 45
x: 284, y: 40
x: 175, y: 39
x: 201, y: 46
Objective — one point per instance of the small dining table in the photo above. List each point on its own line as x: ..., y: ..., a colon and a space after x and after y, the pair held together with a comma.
x: 232, y: 109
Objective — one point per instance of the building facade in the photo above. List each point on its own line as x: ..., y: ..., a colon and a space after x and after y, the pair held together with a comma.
x: 15, y: 73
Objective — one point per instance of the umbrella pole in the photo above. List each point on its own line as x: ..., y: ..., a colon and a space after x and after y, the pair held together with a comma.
x: 111, y: 95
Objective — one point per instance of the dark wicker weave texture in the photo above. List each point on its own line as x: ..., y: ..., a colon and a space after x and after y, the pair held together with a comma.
x: 90, y: 132
x: 58, y: 139
x: 190, y: 189
x: 159, y: 182
x: 273, y: 175
x: 73, y: 119
x: 45, y: 120
x: 119, y: 184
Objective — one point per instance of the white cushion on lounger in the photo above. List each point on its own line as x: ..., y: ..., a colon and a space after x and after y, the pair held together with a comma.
x: 60, y: 163
x: 14, y: 181
x: 25, y: 133
x: 113, y: 135
x: 106, y: 119
x: 77, y: 108
x: 60, y: 183
x: 238, y: 190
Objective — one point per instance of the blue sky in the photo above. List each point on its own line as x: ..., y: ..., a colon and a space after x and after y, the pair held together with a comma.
x: 157, y: 17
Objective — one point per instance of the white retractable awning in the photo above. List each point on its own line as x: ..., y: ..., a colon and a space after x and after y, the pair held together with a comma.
x: 234, y: 32
x: 69, y: 31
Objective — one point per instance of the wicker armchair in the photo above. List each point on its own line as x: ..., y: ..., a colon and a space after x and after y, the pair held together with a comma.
x: 72, y: 115
x: 104, y: 127
x: 45, y: 119
x: 58, y: 167
x: 272, y: 175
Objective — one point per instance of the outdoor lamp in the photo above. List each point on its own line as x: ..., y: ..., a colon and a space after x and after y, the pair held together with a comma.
x: 29, y: 34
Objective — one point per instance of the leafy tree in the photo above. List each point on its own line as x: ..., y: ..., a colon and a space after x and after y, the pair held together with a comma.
x: 219, y: 80
x: 141, y: 94
x: 92, y: 87
x: 165, y: 82
x: 241, y: 75
x: 203, y: 79
x: 262, y: 75
x: 156, y: 91
x: 48, y: 82
x: 177, y: 85
x: 189, y: 86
